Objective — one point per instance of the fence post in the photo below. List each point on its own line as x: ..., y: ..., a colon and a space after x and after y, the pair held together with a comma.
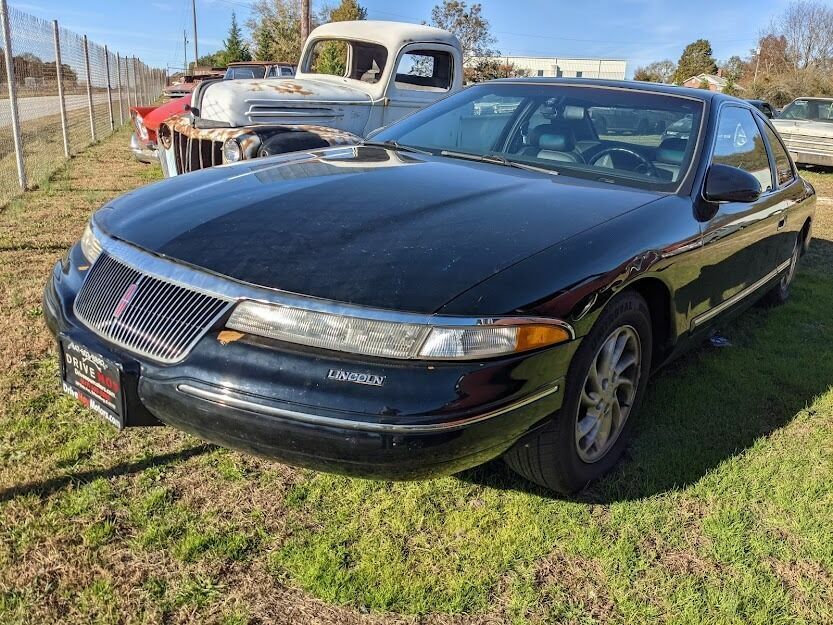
x: 121, y: 97
x: 135, y: 82
x: 109, y: 88
x: 59, y: 76
x: 127, y: 80
x: 89, y: 88
x: 7, y: 51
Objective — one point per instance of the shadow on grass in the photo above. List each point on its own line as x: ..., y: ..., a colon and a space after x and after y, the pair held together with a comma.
x: 712, y: 404
x: 45, y: 488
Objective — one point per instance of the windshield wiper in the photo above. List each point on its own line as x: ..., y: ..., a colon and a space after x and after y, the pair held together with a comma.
x: 395, y: 145
x: 497, y: 159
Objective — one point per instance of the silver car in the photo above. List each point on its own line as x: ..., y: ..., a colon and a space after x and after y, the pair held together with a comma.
x: 806, y: 125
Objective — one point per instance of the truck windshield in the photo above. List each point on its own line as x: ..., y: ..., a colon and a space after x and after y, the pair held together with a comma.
x: 813, y: 110
x: 358, y: 60
x: 613, y: 135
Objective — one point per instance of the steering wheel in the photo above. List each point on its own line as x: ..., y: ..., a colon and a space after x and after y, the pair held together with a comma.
x: 643, y: 163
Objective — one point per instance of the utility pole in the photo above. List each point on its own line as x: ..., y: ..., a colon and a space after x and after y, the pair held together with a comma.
x: 196, y: 47
x: 305, y: 20
x: 185, y: 49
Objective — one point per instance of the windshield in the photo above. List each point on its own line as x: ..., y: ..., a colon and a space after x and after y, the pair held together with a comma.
x: 815, y: 110
x: 239, y: 73
x: 613, y: 135
x: 358, y: 60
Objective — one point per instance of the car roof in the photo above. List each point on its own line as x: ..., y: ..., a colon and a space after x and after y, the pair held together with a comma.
x: 632, y: 85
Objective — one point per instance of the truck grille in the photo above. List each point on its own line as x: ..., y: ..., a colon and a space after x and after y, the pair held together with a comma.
x: 193, y: 154
x: 143, y: 314
x: 807, y: 143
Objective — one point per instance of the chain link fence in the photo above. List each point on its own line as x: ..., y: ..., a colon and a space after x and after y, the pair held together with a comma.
x: 59, y: 93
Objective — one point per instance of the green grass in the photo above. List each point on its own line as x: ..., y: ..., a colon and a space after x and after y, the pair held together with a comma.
x: 720, y: 513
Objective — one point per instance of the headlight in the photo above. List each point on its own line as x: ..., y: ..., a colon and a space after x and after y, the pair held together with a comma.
x: 90, y: 246
x: 232, y: 152
x: 142, y: 131
x: 395, y: 339
x: 165, y: 136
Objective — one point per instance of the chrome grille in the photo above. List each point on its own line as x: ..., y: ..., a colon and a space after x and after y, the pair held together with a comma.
x: 193, y: 154
x: 143, y: 314
x: 807, y: 143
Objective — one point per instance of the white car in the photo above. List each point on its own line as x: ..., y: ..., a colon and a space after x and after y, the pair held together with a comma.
x: 806, y: 126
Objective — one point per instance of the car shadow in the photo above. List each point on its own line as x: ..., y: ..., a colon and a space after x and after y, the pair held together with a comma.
x: 712, y: 403
x: 44, y: 488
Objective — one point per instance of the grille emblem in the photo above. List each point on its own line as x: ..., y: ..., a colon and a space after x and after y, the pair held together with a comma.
x: 125, y: 300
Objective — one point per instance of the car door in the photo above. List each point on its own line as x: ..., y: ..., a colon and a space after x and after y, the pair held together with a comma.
x: 739, y: 242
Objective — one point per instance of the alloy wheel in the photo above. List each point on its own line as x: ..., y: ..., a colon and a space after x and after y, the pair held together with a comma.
x: 608, y: 394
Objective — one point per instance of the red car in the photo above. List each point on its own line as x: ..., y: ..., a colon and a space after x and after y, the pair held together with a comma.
x: 146, y: 121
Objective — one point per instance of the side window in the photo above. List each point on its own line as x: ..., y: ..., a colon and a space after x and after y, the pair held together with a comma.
x: 287, y: 71
x: 783, y: 167
x: 740, y: 144
x: 425, y: 70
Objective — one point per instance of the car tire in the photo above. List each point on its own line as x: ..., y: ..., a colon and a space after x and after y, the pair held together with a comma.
x: 780, y: 293
x: 552, y: 455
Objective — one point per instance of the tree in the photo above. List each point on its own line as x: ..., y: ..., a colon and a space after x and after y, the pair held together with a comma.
x: 733, y: 69
x: 658, y: 71
x: 234, y: 48
x: 490, y: 68
x: 807, y: 28
x: 208, y: 60
x: 332, y: 58
x: 276, y: 30
x: 771, y: 55
x: 348, y: 10
x: 469, y: 26
x: 697, y: 58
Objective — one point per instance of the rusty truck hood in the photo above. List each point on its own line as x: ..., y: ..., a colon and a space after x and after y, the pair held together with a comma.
x: 281, y: 101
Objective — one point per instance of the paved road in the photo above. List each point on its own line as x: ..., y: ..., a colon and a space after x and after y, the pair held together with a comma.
x: 43, y: 106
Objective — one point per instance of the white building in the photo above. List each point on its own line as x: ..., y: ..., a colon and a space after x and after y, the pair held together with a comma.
x: 612, y: 69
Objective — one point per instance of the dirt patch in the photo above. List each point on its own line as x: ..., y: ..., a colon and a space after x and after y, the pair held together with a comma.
x: 571, y: 582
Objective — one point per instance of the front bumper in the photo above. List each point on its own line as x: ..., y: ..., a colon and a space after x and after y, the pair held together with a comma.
x: 142, y: 152
x: 258, y: 397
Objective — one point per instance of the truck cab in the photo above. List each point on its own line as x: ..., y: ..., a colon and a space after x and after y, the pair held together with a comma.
x: 352, y: 78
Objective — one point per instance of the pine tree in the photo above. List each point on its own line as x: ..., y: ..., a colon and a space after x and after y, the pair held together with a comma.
x: 234, y: 48
x: 348, y: 10
x: 697, y: 58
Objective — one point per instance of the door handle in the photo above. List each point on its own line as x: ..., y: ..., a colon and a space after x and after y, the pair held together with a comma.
x: 782, y: 222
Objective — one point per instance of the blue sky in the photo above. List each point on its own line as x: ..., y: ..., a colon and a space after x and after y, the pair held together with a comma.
x: 637, y: 30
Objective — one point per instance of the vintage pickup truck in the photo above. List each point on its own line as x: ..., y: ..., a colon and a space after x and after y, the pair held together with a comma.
x: 353, y: 77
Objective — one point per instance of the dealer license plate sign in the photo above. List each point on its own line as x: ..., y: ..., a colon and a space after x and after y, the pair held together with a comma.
x: 92, y: 380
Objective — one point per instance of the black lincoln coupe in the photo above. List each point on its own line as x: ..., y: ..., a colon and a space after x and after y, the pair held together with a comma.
x: 492, y: 276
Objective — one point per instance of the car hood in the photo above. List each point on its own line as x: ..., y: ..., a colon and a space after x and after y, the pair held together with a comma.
x: 279, y: 101
x: 154, y: 119
x: 804, y: 127
x: 363, y: 225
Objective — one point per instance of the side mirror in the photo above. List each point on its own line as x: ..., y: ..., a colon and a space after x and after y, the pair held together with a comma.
x: 730, y: 184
